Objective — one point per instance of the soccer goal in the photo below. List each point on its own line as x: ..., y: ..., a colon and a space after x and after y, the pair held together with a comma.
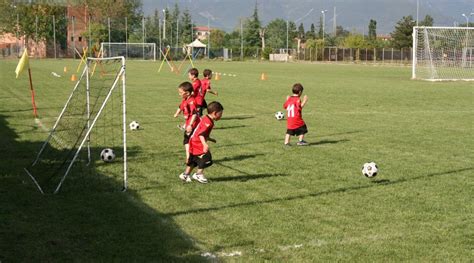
x: 443, y: 53
x: 93, y: 120
x: 144, y: 51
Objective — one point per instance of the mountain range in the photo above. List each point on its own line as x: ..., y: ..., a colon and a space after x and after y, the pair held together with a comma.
x: 352, y: 15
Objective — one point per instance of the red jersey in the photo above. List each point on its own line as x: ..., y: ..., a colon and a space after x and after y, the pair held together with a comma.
x: 205, y: 86
x: 197, y: 92
x: 294, y: 115
x: 188, y: 107
x: 203, y: 129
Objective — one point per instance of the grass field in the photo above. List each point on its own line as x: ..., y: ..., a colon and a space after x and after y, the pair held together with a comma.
x: 265, y: 201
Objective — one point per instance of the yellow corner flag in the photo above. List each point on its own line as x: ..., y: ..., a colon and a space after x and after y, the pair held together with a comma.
x: 23, y: 62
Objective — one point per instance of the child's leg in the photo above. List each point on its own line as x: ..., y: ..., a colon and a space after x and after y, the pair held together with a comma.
x: 186, y: 147
x: 188, y: 170
x: 287, y: 138
x: 301, y: 137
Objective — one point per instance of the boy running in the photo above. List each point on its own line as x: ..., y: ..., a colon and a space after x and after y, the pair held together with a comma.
x: 295, y: 124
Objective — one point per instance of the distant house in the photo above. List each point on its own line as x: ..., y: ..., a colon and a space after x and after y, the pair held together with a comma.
x: 10, y: 45
x: 202, y: 32
x: 77, y: 28
x: 384, y: 37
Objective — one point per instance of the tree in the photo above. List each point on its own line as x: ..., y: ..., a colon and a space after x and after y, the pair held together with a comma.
x: 402, y: 35
x: 321, y: 30
x: 252, y: 30
x: 275, y: 34
x: 186, y: 27
x: 428, y: 21
x: 301, y: 33
x: 355, y: 41
x: 372, y: 30
x: 311, y: 34
x: 218, y: 38
x: 153, y: 27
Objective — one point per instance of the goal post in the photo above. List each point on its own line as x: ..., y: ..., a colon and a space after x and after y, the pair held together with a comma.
x: 443, y: 53
x: 92, y: 119
x: 143, y: 51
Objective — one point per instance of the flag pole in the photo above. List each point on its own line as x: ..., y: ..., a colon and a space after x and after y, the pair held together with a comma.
x: 32, y: 93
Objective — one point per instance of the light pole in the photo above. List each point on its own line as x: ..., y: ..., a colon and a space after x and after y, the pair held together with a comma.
x: 467, y: 19
x: 324, y: 22
x: 164, y: 24
x: 208, y: 38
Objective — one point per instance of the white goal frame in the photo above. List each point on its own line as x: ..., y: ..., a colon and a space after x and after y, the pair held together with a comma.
x: 104, y: 46
x: 84, y: 141
x: 438, y: 56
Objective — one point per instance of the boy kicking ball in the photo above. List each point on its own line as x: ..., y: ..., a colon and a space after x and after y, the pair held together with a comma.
x: 199, y: 154
x: 295, y: 124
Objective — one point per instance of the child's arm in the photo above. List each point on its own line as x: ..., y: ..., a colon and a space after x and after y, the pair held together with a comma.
x: 213, y: 92
x: 178, y: 111
x: 305, y: 99
x: 189, y: 128
x: 205, y: 147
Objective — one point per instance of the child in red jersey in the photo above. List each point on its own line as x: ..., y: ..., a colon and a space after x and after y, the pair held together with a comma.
x: 188, y: 107
x: 193, y: 75
x: 205, y: 87
x: 200, y: 155
x: 295, y: 124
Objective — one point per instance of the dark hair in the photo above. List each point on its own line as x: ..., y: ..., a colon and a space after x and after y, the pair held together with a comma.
x: 194, y: 72
x: 214, y: 106
x: 186, y: 87
x: 207, y: 72
x: 297, y: 88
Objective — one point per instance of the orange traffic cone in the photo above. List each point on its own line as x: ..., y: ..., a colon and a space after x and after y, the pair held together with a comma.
x: 217, y: 76
x: 73, y: 77
x: 65, y: 69
x: 263, y: 76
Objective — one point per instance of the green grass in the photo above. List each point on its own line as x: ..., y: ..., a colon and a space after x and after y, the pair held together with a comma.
x: 266, y: 201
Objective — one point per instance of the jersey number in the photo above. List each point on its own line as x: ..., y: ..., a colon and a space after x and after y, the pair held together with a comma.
x: 291, y: 110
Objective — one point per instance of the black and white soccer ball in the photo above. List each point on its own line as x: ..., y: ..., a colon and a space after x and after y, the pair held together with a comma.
x: 107, y: 155
x: 279, y: 115
x: 370, y: 169
x: 134, y: 125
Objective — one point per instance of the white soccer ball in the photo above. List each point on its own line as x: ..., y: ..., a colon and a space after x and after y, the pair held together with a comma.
x: 279, y: 115
x: 370, y: 169
x: 134, y: 125
x: 107, y: 155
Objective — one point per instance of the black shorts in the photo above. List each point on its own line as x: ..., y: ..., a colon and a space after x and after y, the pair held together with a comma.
x: 187, y: 137
x: 201, y: 161
x: 202, y: 107
x: 298, y: 131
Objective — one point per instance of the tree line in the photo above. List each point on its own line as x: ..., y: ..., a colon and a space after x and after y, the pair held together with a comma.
x: 174, y: 27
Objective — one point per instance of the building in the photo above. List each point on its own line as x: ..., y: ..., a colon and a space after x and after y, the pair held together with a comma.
x: 77, y: 28
x: 202, y: 32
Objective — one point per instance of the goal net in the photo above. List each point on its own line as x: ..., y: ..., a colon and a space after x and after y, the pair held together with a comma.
x: 443, y: 53
x: 92, y: 119
x: 144, y: 51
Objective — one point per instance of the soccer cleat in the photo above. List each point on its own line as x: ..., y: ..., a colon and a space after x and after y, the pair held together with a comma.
x: 302, y: 143
x: 180, y: 127
x: 185, y: 178
x: 200, y: 178
x: 287, y: 144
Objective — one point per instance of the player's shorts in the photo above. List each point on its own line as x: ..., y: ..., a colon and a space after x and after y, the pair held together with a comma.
x: 202, y: 107
x: 187, y: 136
x: 201, y: 161
x: 298, y: 131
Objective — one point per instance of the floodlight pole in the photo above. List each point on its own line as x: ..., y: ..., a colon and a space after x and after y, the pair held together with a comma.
x: 164, y: 24
x: 324, y: 22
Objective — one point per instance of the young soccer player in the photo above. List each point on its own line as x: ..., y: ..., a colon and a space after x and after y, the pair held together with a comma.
x: 205, y: 87
x: 193, y: 75
x: 295, y: 124
x: 200, y: 155
x: 188, y: 107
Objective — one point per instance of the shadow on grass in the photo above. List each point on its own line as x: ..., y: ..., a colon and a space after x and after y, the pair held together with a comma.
x: 245, y: 178
x: 240, y: 117
x: 89, y: 220
x: 327, y: 142
x: 375, y: 183
x: 230, y: 127
x: 237, y: 158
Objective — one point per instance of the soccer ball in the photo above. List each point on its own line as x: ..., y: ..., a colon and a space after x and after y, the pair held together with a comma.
x: 370, y: 169
x: 279, y: 115
x: 134, y: 126
x: 107, y: 155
